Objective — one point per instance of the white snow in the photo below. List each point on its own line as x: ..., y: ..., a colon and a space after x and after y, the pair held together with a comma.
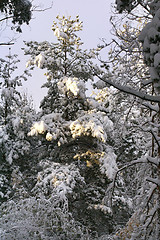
x: 49, y: 136
x: 92, y: 124
x: 108, y: 164
x: 73, y: 85
x: 39, y: 61
x: 58, y: 33
x: 38, y: 128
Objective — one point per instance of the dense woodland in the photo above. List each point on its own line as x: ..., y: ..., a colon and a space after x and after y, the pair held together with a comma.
x: 87, y: 164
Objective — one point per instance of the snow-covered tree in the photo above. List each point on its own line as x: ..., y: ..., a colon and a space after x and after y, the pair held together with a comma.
x: 14, y: 124
x: 62, y: 59
x: 73, y: 128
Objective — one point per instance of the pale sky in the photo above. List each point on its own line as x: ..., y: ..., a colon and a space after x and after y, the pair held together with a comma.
x: 95, y: 16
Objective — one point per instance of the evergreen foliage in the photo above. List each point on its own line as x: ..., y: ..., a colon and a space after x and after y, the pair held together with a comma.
x: 18, y: 10
x: 14, y: 125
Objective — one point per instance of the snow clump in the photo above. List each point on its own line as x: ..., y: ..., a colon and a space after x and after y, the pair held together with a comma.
x: 38, y: 128
x: 93, y: 124
x: 108, y: 164
x: 72, y: 85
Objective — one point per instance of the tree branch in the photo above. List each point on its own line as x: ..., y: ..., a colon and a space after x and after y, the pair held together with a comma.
x: 112, y: 185
x: 131, y: 91
x: 4, y: 44
x: 153, y: 180
x: 153, y: 160
x: 151, y: 217
x: 155, y: 137
x: 34, y: 8
x: 154, y: 108
x: 6, y: 18
x: 152, y: 190
x: 141, y: 160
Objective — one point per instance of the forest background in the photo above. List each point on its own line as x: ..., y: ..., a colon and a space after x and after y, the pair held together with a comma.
x: 86, y: 164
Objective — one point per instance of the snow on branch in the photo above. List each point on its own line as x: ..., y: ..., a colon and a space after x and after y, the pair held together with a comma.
x: 152, y: 160
x: 156, y: 138
x: 153, y: 180
x: 131, y: 91
x: 139, y: 161
x: 152, y: 213
x: 150, y: 194
x: 152, y: 107
x: 4, y: 44
x: 146, y: 82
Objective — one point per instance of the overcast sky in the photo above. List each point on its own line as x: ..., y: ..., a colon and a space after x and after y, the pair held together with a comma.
x: 95, y: 16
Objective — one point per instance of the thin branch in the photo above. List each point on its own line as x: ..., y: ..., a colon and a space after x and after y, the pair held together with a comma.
x: 155, y: 137
x: 42, y: 10
x: 6, y: 18
x: 154, y: 108
x: 130, y: 109
x: 149, y: 197
x: 112, y: 186
x: 9, y: 43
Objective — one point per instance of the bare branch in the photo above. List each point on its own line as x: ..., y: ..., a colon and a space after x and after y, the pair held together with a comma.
x: 4, y: 44
x: 35, y: 8
x: 6, y: 18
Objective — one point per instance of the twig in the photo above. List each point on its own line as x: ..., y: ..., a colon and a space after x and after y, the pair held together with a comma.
x: 42, y: 10
x: 3, y: 44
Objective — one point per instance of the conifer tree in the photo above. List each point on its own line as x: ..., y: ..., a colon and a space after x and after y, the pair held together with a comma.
x: 74, y: 125
x: 13, y: 124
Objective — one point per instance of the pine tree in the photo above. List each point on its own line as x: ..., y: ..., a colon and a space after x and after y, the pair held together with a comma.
x: 75, y: 126
x: 14, y: 126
